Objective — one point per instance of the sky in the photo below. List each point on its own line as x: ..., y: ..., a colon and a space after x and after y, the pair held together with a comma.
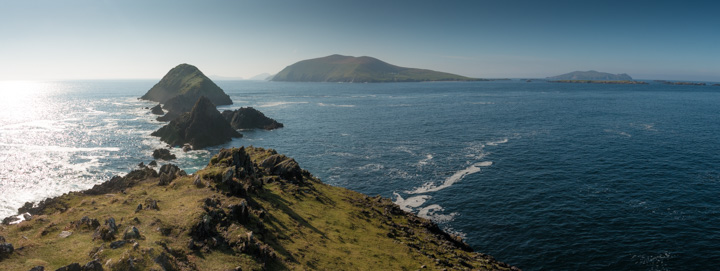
x: 101, y: 39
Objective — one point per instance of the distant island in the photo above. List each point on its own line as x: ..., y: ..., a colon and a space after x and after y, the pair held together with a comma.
x: 364, y: 69
x: 624, y: 82
x: 592, y: 75
x: 681, y: 83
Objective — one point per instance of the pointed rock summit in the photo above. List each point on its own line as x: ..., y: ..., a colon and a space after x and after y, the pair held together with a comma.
x: 203, y: 126
x: 181, y: 87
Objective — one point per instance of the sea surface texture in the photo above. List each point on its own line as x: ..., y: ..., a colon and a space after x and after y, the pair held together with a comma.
x: 541, y: 175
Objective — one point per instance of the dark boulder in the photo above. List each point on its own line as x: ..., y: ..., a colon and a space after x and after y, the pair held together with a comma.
x: 71, y: 267
x: 131, y: 233
x: 250, y: 118
x: 38, y: 268
x: 163, y: 154
x: 157, y: 110
x: 93, y: 266
x: 5, y: 248
x: 203, y: 126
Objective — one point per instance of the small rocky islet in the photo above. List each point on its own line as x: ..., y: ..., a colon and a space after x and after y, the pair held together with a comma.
x: 248, y: 209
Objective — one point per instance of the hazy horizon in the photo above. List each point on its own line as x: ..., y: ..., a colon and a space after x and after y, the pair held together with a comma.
x: 77, y: 40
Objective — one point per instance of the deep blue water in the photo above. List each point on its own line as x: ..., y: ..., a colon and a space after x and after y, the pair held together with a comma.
x: 540, y: 175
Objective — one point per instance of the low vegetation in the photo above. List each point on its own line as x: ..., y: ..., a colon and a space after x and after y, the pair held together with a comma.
x: 249, y: 209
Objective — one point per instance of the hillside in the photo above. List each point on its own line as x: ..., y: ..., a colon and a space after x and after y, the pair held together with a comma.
x: 592, y: 75
x: 249, y: 209
x: 338, y: 68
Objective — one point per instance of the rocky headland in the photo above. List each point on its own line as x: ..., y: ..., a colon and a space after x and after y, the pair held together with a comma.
x: 181, y: 87
x: 339, y: 68
x: 250, y: 118
x: 248, y: 209
x: 203, y: 126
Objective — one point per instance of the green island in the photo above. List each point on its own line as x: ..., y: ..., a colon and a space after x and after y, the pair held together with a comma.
x: 248, y: 209
x: 348, y: 69
x: 626, y: 82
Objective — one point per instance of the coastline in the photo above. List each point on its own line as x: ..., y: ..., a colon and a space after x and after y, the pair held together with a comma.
x: 254, y: 202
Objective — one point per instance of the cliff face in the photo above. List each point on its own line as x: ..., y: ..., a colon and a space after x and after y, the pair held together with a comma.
x: 249, y: 208
x: 182, y: 86
x: 201, y: 127
x: 250, y: 118
x: 338, y: 68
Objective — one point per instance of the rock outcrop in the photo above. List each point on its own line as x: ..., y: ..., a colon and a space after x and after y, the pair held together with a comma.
x: 181, y: 87
x: 250, y: 118
x: 157, y: 110
x: 203, y: 126
x: 163, y: 154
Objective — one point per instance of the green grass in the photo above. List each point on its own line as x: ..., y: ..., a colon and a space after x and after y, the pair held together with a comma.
x: 308, y: 226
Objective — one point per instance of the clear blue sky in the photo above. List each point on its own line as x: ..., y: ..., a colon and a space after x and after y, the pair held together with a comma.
x: 94, y: 39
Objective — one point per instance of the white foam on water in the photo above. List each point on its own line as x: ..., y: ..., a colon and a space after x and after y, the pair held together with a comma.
x: 273, y: 104
x: 433, y: 212
x: 495, y: 143
x: 410, y: 203
x: 336, y: 105
x: 456, y: 177
x: 428, y: 158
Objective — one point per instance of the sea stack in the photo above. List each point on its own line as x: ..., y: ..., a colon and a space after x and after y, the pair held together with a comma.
x: 181, y: 87
x: 203, y: 126
x: 250, y: 118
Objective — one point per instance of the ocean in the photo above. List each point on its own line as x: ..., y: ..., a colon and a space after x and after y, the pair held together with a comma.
x: 544, y: 176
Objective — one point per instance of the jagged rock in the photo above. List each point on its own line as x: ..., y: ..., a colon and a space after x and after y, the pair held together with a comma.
x: 157, y: 110
x: 71, y: 267
x: 141, y: 165
x: 93, y: 266
x: 152, y: 163
x: 86, y: 223
x: 165, y: 261
x: 250, y: 118
x: 106, y: 232
x: 283, y: 166
x: 117, y: 183
x: 163, y: 154
x: 10, y: 219
x: 117, y: 244
x: 239, y: 212
x: 5, y: 248
x: 186, y: 147
x: 198, y: 182
x: 131, y: 233
x: 203, y: 126
x: 38, y: 268
x: 139, y: 208
x: 151, y: 204
x: 169, y: 172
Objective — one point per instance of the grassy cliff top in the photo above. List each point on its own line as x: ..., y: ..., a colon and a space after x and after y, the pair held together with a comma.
x: 339, y: 68
x: 250, y: 208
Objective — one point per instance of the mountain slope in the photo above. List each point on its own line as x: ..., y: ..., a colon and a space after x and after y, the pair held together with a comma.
x: 592, y: 75
x: 338, y: 68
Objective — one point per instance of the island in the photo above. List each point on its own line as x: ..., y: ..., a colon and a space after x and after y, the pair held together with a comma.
x: 181, y: 87
x: 250, y: 118
x: 348, y: 69
x: 592, y: 76
x: 680, y: 83
x: 625, y: 82
x: 248, y: 209
x: 203, y: 126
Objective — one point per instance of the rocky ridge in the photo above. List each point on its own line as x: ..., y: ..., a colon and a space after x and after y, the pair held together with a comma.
x: 201, y: 127
x: 249, y: 209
